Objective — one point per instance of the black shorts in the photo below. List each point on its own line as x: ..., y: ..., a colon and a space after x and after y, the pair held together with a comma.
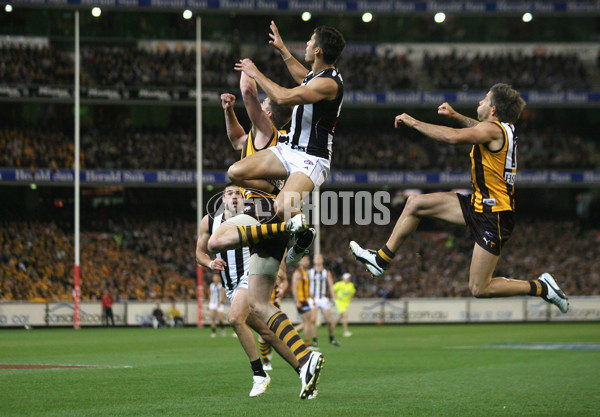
x: 263, y: 210
x: 490, y: 230
x: 304, y: 307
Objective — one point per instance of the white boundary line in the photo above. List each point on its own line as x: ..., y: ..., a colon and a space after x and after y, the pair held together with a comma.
x: 61, y: 366
x: 535, y: 346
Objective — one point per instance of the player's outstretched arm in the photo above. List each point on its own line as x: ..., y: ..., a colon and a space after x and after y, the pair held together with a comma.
x: 319, y: 89
x: 296, y: 69
x: 235, y: 131
x: 262, y: 125
x: 446, y: 109
x: 202, y: 257
x: 481, y: 133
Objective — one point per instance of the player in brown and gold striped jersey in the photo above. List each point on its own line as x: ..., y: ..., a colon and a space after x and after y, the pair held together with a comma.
x: 488, y: 213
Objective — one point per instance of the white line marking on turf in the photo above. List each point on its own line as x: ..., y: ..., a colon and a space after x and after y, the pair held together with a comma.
x: 535, y: 346
x: 65, y: 366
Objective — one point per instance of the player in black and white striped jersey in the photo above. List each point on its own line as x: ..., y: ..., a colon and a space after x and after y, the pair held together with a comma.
x: 215, y: 305
x: 303, y: 156
x: 236, y: 261
x: 321, y: 288
x: 233, y: 266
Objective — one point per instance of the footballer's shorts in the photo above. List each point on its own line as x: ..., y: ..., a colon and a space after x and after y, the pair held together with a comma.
x: 217, y: 307
x: 320, y: 303
x: 490, y: 230
x: 297, y: 160
x: 341, y: 306
x: 242, y: 283
x: 304, y: 307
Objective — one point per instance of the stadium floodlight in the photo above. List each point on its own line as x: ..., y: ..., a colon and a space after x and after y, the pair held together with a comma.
x: 187, y: 14
x: 439, y: 17
x: 367, y: 17
x: 8, y: 8
x: 96, y: 11
x: 306, y: 16
x: 527, y: 17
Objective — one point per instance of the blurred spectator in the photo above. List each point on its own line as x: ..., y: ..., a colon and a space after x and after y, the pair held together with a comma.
x: 158, y: 317
x: 107, y: 311
x: 175, y: 318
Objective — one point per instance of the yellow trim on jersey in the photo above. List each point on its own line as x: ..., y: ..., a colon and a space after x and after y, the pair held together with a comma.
x: 249, y: 149
x: 493, y: 174
x: 274, y: 294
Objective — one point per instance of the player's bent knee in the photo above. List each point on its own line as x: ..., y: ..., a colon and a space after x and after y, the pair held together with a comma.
x: 236, y: 320
x: 412, y: 204
x: 254, y: 307
x: 235, y: 173
x: 478, y: 291
x: 258, y: 309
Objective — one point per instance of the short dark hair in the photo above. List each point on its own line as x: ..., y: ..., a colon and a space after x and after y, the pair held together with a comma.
x: 508, y: 102
x: 282, y: 114
x: 331, y: 41
x: 230, y: 185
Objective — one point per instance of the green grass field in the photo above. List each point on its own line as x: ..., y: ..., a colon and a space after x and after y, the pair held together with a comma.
x: 429, y: 370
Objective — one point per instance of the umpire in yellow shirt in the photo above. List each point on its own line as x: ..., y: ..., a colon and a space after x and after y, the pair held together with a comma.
x: 344, y: 291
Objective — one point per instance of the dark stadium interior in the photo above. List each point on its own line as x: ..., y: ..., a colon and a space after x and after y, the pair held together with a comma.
x: 140, y: 240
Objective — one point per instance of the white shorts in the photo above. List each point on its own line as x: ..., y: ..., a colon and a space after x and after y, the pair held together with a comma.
x: 322, y: 303
x: 242, y: 284
x: 317, y: 169
x: 217, y: 307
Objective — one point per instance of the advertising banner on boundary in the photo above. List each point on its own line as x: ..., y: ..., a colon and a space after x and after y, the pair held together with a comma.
x: 361, y: 311
x: 554, y: 178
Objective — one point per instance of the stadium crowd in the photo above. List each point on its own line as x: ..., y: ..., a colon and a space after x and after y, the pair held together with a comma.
x: 547, y: 72
x: 541, y: 146
x: 137, y: 262
x: 128, y: 66
x: 120, y: 66
x: 154, y: 260
x: 32, y: 65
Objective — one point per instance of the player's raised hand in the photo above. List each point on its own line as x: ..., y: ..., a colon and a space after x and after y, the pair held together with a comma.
x: 403, y: 119
x: 446, y: 110
x: 227, y: 100
x: 247, y: 66
x: 276, y: 40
